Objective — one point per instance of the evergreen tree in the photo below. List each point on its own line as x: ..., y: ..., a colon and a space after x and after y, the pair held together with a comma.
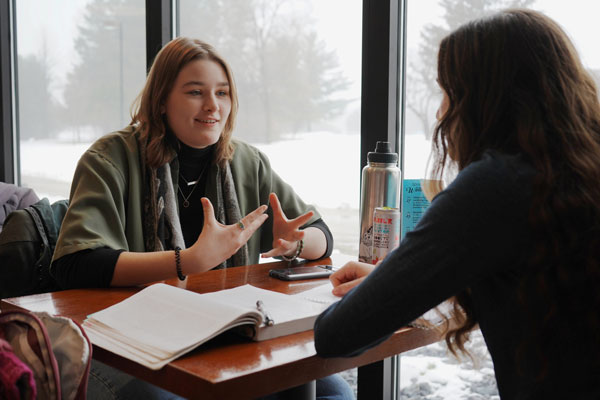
x: 111, y: 68
x: 37, y: 108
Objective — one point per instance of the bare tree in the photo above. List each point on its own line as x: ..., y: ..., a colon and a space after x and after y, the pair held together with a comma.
x: 423, y: 94
x: 286, y: 76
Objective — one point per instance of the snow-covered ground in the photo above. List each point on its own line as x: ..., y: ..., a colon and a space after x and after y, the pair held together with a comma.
x: 324, y: 169
x: 430, y: 373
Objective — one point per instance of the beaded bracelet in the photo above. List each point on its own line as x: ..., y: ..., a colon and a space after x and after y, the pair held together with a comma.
x: 299, y: 247
x: 180, y: 274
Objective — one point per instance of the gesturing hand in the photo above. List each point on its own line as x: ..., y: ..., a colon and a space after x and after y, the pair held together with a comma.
x: 218, y: 242
x: 349, y: 276
x: 285, y: 232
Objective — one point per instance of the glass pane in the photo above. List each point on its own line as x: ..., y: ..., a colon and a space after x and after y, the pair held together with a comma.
x: 297, y: 67
x: 430, y: 20
x: 80, y: 65
x: 431, y: 372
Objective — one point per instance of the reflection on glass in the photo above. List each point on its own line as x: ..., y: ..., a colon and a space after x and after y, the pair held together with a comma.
x: 80, y: 65
x: 297, y: 67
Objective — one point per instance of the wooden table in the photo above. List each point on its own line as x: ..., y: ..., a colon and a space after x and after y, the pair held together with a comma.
x: 227, y: 366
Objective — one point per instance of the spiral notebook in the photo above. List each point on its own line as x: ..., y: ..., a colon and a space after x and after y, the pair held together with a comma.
x: 162, y: 322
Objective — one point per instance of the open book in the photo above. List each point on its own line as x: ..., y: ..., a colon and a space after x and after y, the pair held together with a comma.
x: 161, y: 322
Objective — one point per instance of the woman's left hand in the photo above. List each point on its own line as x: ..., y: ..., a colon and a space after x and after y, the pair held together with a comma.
x: 286, y: 233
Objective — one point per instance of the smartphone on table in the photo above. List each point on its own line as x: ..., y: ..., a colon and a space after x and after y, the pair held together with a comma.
x: 299, y: 273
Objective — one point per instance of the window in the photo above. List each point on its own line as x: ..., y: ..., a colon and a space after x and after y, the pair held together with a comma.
x: 429, y: 370
x: 297, y: 66
x: 429, y: 21
x: 80, y: 65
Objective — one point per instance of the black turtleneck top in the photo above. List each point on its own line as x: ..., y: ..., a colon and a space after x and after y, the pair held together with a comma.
x: 193, y: 167
x: 95, y: 267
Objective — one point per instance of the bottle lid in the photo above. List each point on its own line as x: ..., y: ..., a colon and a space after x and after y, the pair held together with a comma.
x: 382, y: 154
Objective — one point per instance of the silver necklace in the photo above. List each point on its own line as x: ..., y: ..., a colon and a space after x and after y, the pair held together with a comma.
x: 190, y: 183
x: 186, y: 203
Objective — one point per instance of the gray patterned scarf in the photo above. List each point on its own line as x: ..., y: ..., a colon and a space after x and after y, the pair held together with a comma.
x: 162, y: 229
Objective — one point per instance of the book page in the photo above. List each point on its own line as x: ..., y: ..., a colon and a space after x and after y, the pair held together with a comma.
x: 281, y: 307
x: 166, y: 317
x: 290, y: 314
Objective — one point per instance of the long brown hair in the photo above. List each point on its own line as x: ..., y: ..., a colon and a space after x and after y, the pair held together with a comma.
x: 515, y: 84
x: 147, y: 108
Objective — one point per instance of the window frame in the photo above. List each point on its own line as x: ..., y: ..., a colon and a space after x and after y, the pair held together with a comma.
x: 9, y: 165
x: 382, y: 86
x: 382, y: 109
x: 382, y: 119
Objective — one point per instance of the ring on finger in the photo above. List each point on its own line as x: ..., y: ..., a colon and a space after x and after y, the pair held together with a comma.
x: 241, y: 225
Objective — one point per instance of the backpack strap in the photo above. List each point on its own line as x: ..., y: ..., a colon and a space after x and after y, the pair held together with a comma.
x: 73, y: 351
x: 52, y: 216
x: 56, y: 349
x: 43, y: 262
x: 27, y: 243
x: 30, y: 342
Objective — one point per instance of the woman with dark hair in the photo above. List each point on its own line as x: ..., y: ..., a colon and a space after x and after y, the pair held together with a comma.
x: 514, y: 239
x: 141, y: 203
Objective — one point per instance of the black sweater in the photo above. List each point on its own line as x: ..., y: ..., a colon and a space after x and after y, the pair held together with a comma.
x: 474, y: 235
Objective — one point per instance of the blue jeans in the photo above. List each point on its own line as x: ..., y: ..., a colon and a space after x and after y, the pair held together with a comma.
x: 334, y: 387
x: 107, y: 383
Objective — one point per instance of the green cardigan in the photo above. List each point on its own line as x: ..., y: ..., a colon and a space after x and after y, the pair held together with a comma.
x: 105, y: 208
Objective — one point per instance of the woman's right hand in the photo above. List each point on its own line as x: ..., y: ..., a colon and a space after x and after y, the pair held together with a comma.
x: 218, y: 242
x: 349, y: 276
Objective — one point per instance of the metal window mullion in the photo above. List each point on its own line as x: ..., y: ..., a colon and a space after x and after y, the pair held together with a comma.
x: 175, y: 31
x: 160, y: 27
x: 401, y: 92
x: 9, y: 165
x: 381, y: 120
x: 400, y: 130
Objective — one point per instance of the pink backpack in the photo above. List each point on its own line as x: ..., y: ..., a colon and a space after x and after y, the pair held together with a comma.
x: 43, y: 357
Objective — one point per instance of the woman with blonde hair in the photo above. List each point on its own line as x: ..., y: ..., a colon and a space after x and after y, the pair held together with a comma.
x: 174, y: 194
x: 514, y: 239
